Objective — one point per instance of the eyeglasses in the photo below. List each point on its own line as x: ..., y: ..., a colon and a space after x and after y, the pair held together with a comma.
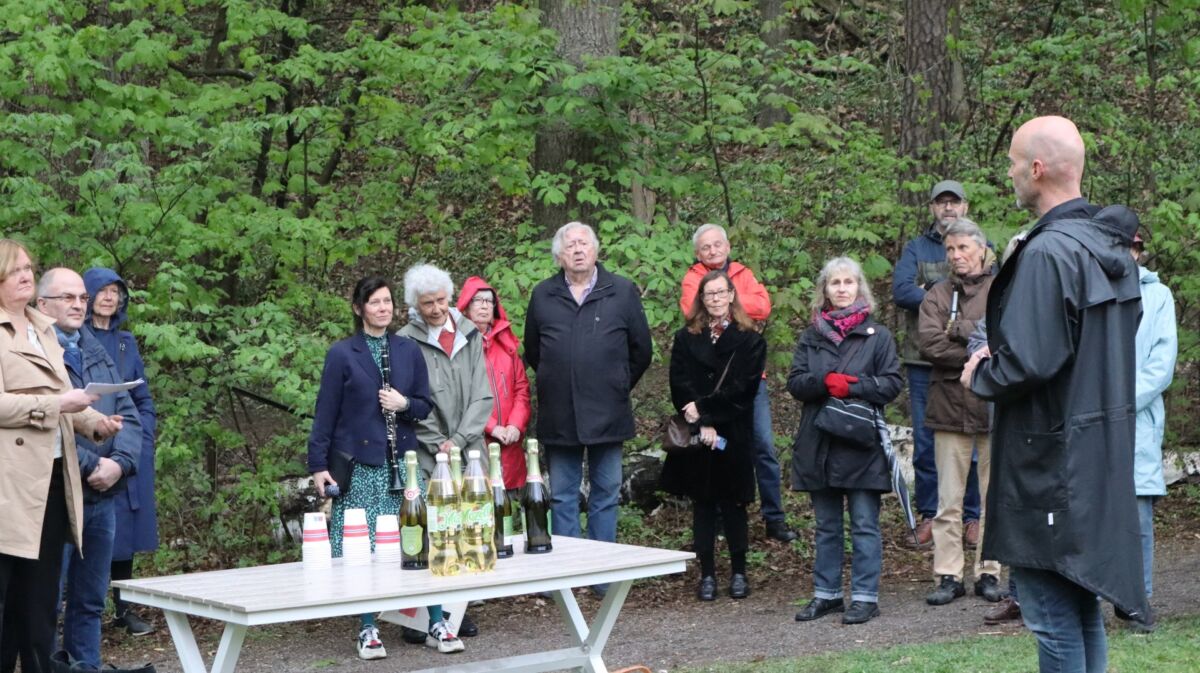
x: 71, y: 298
x: 484, y: 301
x: 717, y: 294
x: 942, y: 203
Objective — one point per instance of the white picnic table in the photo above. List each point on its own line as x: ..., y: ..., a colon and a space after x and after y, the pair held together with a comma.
x: 288, y: 592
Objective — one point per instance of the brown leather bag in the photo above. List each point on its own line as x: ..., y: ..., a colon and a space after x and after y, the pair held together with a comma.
x: 678, y: 437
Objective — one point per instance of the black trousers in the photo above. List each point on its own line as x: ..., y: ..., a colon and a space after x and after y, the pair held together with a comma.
x: 29, y: 590
x: 704, y: 530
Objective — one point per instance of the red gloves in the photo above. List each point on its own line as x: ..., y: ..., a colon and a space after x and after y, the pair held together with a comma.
x: 839, y: 384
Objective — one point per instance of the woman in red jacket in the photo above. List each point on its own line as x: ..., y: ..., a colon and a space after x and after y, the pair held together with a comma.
x: 480, y: 303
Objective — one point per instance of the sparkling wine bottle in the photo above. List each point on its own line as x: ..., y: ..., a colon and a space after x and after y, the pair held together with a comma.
x: 414, y: 531
x: 502, y: 507
x: 535, y: 501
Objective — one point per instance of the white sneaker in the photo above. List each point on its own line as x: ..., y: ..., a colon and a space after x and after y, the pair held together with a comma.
x: 369, y: 644
x: 441, y: 637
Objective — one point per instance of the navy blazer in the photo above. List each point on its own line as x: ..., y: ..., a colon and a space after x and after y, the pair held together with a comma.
x: 348, y: 416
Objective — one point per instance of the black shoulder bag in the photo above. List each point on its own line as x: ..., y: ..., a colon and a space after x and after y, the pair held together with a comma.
x: 850, y: 419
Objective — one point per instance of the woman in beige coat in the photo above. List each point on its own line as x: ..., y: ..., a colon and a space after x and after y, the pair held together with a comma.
x: 40, y: 493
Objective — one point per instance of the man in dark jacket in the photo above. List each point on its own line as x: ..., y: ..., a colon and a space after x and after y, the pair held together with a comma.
x: 921, y: 266
x: 1062, y: 315
x: 136, y: 510
x: 587, y: 339
x: 61, y: 295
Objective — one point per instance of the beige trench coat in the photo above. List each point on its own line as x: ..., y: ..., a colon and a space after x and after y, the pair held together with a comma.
x: 30, y: 384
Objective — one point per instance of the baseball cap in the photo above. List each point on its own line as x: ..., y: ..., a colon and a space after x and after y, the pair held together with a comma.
x: 948, y: 186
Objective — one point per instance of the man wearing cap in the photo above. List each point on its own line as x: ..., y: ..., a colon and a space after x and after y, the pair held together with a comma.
x: 923, y: 264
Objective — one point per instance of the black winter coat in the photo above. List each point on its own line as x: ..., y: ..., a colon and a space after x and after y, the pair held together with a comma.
x: 1062, y: 316
x: 820, y: 461
x: 696, y: 366
x: 587, y: 359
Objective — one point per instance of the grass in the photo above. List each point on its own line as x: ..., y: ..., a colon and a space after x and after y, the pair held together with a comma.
x: 1173, y: 647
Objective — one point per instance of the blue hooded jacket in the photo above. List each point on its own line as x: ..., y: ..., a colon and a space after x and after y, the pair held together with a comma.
x: 137, y: 520
x: 1157, y: 348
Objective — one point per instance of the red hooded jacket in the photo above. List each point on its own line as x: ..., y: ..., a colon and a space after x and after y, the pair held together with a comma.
x: 510, y: 387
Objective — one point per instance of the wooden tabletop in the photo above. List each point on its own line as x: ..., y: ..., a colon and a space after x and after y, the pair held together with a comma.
x: 290, y: 586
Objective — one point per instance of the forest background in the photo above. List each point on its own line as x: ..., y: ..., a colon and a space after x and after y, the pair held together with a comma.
x: 242, y: 162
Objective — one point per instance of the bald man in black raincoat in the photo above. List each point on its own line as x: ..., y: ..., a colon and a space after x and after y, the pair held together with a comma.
x: 1062, y: 316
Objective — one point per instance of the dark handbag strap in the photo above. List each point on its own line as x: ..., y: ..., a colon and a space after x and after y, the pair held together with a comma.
x: 851, y: 350
x: 722, y: 379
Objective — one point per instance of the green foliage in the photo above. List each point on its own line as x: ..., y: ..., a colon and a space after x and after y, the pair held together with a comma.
x: 241, y: 162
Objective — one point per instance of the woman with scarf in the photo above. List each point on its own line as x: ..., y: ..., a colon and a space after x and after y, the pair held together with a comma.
x: 349, y: 421
x: 844, y: 353
x: 717, y: 361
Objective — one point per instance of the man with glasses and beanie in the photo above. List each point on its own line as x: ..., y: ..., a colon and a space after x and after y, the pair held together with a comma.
x: 922, y: 265
x: 103, y: 466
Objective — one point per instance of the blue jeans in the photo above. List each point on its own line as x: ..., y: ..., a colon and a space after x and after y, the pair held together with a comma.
x: 867, y: 558
x: 924, y: 465
x: 766, y: 465
x: 566, y: 476
x: 1145, y: 505
x: 1066, y: 619
x: 85, y: 583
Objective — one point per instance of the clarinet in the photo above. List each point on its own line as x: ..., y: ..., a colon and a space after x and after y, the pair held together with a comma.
x: 396, y: 486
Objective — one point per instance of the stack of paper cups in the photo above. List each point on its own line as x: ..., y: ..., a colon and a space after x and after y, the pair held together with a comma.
x: 315, y: 548
x: 356, y: 545
x: 387, y: 539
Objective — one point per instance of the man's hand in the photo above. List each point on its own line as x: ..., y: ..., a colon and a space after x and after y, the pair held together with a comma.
x: 690, y: 413
x: 109, y: 426
x: 75, y: 400
x: 973, y: 362
x: 106, y: 474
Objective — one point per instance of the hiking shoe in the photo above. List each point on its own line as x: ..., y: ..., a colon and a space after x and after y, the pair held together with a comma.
x: 924, y: 533
x: 467, y: 628
x: 947, y: 591
x: 441, y: 638
x: 819, y: 607
x: 1136, y: 622
x: 707, y: 591
x: 133, y: 624
x: 369, y: 644
x: 971, y: 533
x: 860, y: 612
x: 1007, y: 610
x: 988, y: 586
x: 739, y: 587
x: 778, y: 530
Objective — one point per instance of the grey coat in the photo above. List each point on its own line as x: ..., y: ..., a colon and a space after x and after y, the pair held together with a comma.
x: 462, y: 396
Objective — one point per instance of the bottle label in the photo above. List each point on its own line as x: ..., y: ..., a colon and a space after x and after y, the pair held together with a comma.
x: 479, y: 514
x: 536, y: 478
x: 507, y: 533
x: 443, y: 518
x: 412, y: 540
x: 412, y: 493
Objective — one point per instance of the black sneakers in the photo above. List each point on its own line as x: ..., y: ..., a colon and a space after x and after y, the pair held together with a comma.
x: 131, y: 622
x: 948, y: 590
x: 988, y: 586
x: 778, y: 530
x: 860, y: 612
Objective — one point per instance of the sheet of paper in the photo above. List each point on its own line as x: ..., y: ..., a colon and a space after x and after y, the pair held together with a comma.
x: 110, y: 388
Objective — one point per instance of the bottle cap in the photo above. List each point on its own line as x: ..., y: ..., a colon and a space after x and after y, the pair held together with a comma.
x: 441, y: 457
x: 472, y: 454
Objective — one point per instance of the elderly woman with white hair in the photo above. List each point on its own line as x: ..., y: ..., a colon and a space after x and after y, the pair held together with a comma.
x: 843, y: 354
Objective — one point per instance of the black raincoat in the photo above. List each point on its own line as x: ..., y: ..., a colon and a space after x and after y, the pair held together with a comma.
x: 1061, y: 316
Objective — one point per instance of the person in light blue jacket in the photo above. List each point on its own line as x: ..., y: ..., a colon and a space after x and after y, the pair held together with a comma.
x: 1157, y: 347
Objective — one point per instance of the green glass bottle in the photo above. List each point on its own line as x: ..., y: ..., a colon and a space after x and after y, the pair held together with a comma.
x: 535, y: 501
x: 414, y: 531
x: 502, y: 506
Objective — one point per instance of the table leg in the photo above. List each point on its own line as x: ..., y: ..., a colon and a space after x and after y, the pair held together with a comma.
x: 189, y: 652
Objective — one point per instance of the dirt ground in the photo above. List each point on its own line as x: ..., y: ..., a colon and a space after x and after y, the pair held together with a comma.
x: 662, y: 625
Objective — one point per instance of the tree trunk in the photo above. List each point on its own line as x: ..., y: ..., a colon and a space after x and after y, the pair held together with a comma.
x: 927, y: 87
x: 774, y: 32
x: 585, y: 28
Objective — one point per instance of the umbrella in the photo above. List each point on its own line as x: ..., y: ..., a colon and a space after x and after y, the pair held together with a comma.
x: 898, y: 483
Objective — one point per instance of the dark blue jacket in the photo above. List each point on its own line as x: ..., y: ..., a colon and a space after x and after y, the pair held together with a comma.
x: 587, y: 359
x: 123, y: 448
x: 137, y: 515
x: 922, y: 264
x: 349, y: 418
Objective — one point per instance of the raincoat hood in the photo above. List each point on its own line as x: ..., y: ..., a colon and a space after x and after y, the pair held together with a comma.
x: 1108, y: 240
x: 98, y: 277
x: 501, y: 333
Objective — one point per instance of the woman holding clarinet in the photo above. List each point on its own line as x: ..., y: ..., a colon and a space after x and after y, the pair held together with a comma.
x: 365, y: 419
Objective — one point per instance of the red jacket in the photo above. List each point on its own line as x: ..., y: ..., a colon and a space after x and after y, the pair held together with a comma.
x: 510, y: 387
x: 751, y: 293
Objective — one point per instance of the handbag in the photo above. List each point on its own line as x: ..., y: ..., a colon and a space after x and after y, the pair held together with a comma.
x: 678, y: 437
x: 850, y: 419
x: 341, y: 468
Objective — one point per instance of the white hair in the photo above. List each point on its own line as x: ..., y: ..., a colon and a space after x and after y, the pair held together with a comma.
x: 963, y: 227
x: 556, y: 245
x: 840, y: 265
x: 425, y: 279
x: 704, y: 229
